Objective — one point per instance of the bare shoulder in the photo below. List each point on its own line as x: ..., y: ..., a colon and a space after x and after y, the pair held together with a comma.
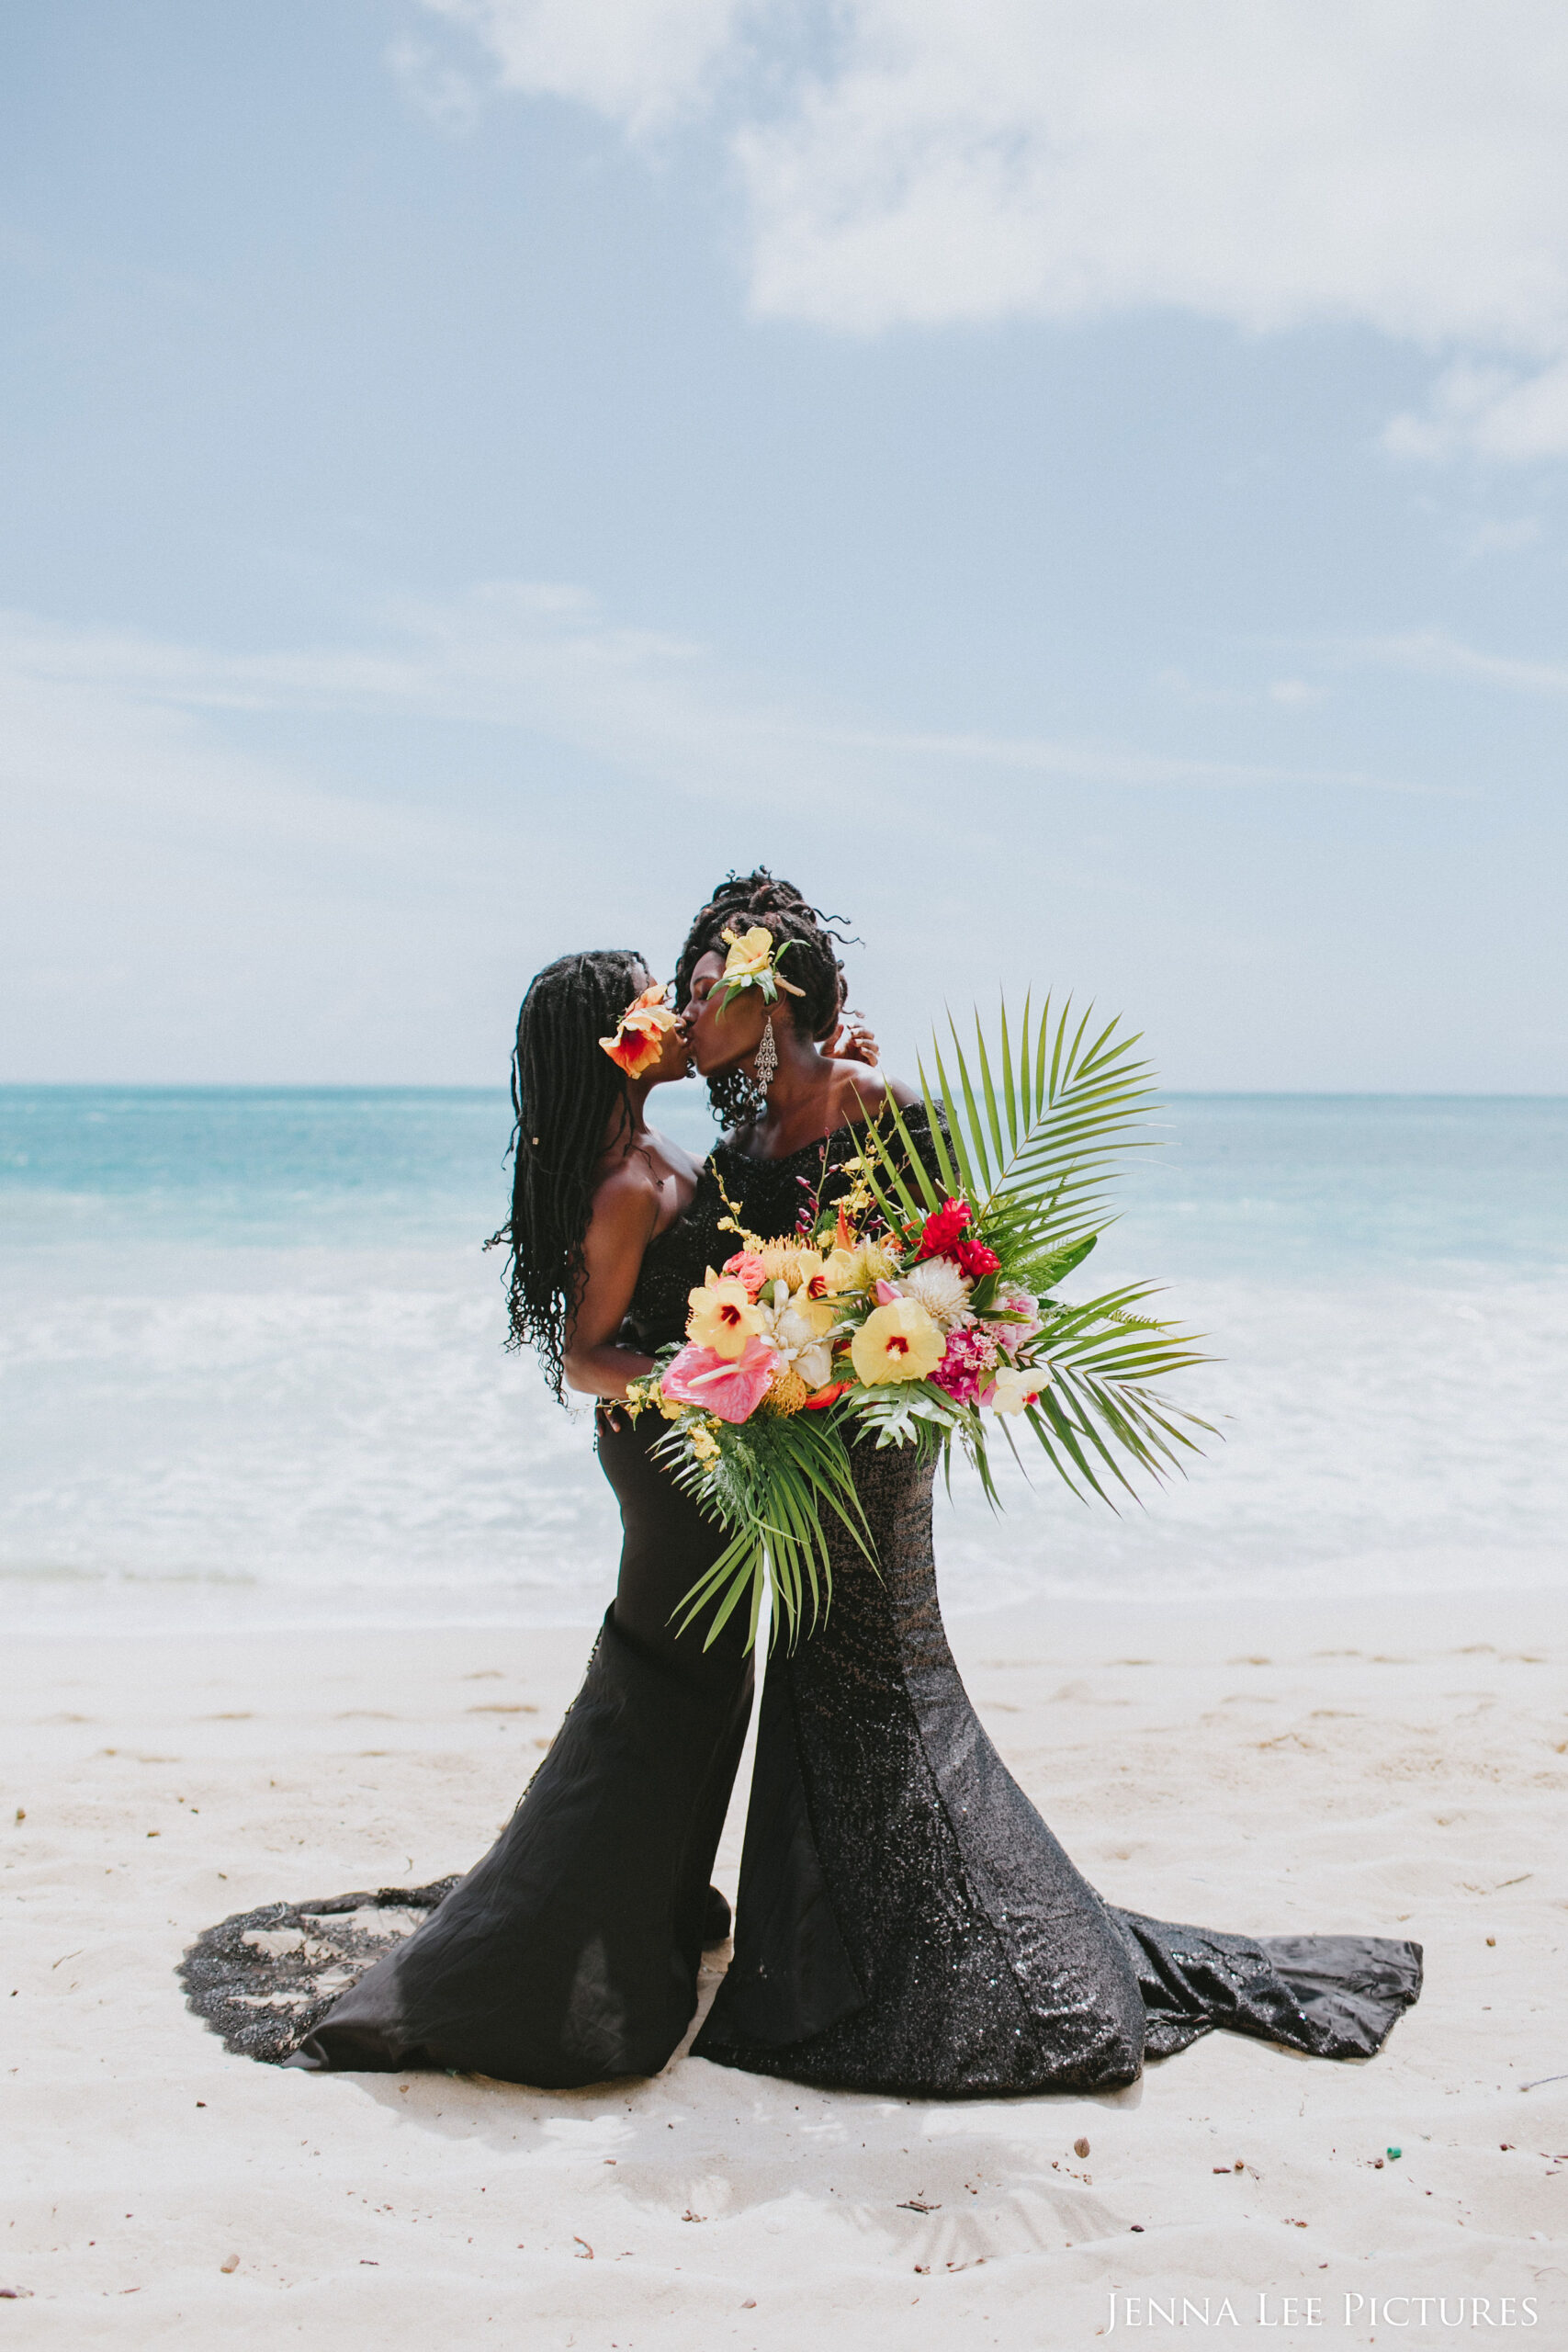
x: 674, y: 1156
x: 626, y: 1198
x: 864, y: 1091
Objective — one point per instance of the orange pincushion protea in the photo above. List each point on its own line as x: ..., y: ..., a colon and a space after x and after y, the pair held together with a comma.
x: 640, y: 1033
x: 786, y: 1393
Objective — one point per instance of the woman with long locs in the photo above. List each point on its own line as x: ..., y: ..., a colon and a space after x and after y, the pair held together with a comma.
x: 570, y: 1952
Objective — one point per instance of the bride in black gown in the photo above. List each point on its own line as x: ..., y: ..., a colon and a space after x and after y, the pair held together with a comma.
x: 905, y: 1921
x: 570, y: 1952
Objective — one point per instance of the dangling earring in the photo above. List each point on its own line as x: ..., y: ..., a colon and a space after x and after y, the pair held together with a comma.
x: 756, y: 1089
x: 767, y: 1056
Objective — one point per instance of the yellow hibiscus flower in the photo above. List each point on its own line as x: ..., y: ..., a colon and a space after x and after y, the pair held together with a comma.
x: 750, y: 952
x: 723, y: 1317
x: 896, y: 1342
x: 752, y: 962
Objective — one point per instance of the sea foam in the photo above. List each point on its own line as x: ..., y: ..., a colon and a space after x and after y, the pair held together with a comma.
x: 253, y: 1368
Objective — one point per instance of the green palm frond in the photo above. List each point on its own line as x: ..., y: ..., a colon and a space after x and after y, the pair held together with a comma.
x: 772, y: 1487
x: 1030, y: 1128
x: 1029, y: 1132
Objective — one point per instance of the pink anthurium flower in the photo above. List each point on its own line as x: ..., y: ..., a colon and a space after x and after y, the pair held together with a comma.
x: 730, y: 1387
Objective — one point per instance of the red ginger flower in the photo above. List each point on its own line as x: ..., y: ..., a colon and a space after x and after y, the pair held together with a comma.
x: 977, y: 1258
x: 940, y: 1233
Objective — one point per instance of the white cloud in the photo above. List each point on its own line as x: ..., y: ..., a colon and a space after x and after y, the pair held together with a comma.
x: 1398, y: 164
x: 175, y: 862
x: 535, y: 658
x: 638, y: 61
x: 1433, y: 653
x: 1283, y: 694
x: 1501, y: 412
x: 1504, y: 537
x: 341, y: 860
x: 440, y: 89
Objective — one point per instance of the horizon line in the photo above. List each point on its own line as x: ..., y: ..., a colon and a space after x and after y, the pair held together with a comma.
x: 415, y: 1086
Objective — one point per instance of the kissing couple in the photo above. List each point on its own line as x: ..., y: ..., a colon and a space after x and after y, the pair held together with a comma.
x: 906, y: 1922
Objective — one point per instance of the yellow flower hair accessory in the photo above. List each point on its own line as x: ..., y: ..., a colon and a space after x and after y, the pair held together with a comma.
x: 753, y: 963
x: 640, y: 1033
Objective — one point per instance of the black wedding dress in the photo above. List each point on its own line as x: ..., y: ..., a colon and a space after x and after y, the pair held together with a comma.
x: 906, y: 1922
x: 570, y: 1953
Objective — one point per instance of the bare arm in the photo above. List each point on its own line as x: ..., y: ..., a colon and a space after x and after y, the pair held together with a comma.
x: 626, y: 1210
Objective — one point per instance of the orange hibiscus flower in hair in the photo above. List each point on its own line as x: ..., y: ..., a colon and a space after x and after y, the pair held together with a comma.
x: 640, y: 1033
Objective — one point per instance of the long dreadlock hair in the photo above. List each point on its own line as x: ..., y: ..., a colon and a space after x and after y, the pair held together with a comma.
x: 566, y: 1095
x: 741, y: 900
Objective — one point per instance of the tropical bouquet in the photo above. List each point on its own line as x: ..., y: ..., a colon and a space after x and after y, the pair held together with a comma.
x: 919, y: 1308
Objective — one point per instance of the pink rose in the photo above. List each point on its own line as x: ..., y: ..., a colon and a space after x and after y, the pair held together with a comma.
x: 732, y: 1387
x: 748, y: 1268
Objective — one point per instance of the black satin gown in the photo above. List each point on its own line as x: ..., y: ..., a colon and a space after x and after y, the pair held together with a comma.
x: 907, y: 1923
x: 570, y: 1953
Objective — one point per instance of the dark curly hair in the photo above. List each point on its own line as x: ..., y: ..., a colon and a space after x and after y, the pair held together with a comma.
x: 565, y: 1097
x: 739, y: 901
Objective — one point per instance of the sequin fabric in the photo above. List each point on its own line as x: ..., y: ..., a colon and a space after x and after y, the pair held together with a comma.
x: 775, y: 1191
x: 906, y: 1922
x: 926, y: 1932
x: 772, y: 1193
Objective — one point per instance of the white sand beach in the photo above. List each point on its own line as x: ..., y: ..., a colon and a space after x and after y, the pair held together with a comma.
x: 1397, y: 1769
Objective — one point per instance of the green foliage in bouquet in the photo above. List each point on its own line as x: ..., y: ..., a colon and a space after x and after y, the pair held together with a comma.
x: 771, y: 1480
x: 1029, y: 1136
x: 921, y: 1309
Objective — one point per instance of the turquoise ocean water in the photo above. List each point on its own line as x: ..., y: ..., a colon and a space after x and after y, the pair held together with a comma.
x: 251, y: 1370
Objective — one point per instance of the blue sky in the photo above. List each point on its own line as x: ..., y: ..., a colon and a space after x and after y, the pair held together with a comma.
x: 1081, y: 488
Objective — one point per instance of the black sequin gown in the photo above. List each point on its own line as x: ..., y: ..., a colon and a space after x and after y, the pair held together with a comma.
x: 570, y: 1953
x: 907, y: 1923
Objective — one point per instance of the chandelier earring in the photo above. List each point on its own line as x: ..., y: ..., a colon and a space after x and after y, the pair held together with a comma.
x: 767, y: 1056
x: 755, y: 1089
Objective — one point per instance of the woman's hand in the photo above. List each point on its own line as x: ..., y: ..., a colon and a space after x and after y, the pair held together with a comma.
x: 853, y: 1041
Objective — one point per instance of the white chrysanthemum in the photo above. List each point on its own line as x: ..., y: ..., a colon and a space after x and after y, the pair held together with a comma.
x: 941, y: 1289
